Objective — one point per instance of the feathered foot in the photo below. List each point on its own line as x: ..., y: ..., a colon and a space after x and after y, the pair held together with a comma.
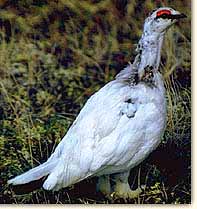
x: 122, y: 189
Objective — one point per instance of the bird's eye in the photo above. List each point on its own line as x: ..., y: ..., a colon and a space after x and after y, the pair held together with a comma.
x: 164, y: 16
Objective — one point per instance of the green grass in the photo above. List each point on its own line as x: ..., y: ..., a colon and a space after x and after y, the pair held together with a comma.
x: 53, y: 57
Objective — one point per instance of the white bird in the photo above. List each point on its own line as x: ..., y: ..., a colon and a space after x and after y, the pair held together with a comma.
x: 118, y: 126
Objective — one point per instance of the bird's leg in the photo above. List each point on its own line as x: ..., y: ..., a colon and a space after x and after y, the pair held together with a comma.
x: 103, y: 185
x: 122, y: 189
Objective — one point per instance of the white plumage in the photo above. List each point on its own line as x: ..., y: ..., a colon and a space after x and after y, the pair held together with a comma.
x: 118, y: 126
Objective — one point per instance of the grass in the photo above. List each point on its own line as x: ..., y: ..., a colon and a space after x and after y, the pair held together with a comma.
x: 53, y: 57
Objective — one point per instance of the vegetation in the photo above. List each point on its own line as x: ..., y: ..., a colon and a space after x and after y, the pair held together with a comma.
x: 53, y: 56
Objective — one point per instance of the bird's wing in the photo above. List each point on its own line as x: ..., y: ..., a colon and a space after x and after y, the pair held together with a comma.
x: 133, y: 135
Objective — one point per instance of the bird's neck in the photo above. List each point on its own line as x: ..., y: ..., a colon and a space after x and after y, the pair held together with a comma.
x: 149, y: 52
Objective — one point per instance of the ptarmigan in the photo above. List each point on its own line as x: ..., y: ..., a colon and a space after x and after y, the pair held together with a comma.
x: 118, y: 126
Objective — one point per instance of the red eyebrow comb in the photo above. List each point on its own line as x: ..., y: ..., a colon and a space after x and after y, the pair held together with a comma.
x: 164, y: 11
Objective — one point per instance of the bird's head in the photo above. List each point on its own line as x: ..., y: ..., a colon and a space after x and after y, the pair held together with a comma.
x: 161, y: 19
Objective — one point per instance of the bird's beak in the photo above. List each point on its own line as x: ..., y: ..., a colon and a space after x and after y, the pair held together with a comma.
x: 178, y: 16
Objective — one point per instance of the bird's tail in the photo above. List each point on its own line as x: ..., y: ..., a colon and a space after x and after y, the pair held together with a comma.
x: 34, y: 174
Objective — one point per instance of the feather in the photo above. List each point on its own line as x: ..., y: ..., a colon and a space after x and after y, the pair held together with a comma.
x: 34, y: 174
